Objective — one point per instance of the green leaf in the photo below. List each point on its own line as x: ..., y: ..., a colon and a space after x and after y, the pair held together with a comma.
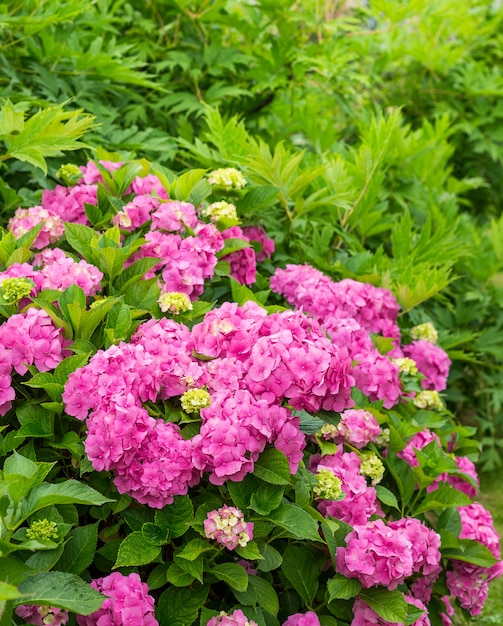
x: 441, y: 498
x: 193, y: 567
x: 232, y: 574
x: 61, y: 589
x: 35, y: 420
x: 177, y: 517
x: 79, y: 549
x: 266, y: 498
x: 183, y: 186
x: 389, y: 605
x: 272, y: 467
x: 301, y: 566
x: 136, y: 550
x: 296, y: 522
x: 178, y: 576
x: 68, y: 492
x: 179, y: 607
x: 342, y: 588
x: 143, y: 295
x: 194, y: 548
x: 272, y: 559
x: 387, y: 497
x: 470, y: 551
x: 261, y: 592
x: 309, y: 424
x: 8, y: 592
x: 80, y: 238
x: 154, y: 534
x: 250, y: 551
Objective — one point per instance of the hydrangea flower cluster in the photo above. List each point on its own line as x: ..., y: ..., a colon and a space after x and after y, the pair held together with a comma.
x: 227, y: 526
x: 42, y: 615
x: 42, y: 529
x: 350, y: 311
x: 358, y: 428
x: 26, y: 219
x: 227, y: 178
x: 128, y: 602
x: 249, y: 362
x: 302, y: 619
x: 360, y: 501
x: 236, y: 618
x: 365, y: 616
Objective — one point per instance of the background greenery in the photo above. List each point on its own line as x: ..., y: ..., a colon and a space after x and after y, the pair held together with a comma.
x: 373, y: 136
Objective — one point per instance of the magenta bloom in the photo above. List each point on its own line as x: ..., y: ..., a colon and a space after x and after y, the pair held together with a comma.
x: 236, y: 618
x: 376, y: 554
x: 26, y: 219
x: 358, y: 428
x: 128, y: 603
x: 418, y: 442
x: 302, y: 619
x: 431, y: 361
x: 258, y: 234
x: 378, y: 378
x: 228, y: 527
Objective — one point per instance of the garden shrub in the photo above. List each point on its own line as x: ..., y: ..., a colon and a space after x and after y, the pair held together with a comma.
x: 207, y: 434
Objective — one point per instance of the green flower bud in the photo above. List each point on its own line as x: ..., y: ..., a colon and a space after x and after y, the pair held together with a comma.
x: 428, y: 399
x: 220, y: 210
x: 14, y: 289
x: 69, y: 174
x: 328, y: 486
x: 371, y: 466
x: 174, y: 302
x: 42, y: 529
x: 227, y: 178
x: 194, y: 400
x: 426, y: 332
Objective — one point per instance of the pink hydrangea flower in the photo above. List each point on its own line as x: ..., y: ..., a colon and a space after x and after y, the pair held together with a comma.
x: 431, y: 361
x: 302, y: 619
x: 228, y: 527
x: 449, y: 612
x: 376, y: 554
x: 40, y: 615
x: 58, y: 271
x: 425, y: 545
x: 257, y: 233
x: 91, y: 174
x: 360, y: 501
x: 418, y: 442
x: 32, y: 339
x: 236, y: 618
x: 365, y: 616
x: 26, y: 219
x: 128, y: 602
x: 68, y: 202
x: 378, y: 378
x: 136, y: 212
x: 148, y: 185
x: 243, y: 263
x: 358, y: 428
x: 174, y: 216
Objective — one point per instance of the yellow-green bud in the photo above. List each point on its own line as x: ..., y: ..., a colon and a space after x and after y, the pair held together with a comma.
x: 227, y: 178
x: 383, y: 439
x: 371, y: 466
x: 220, y: 210
x: 426, y: 332
x: 97, y: 303
x: 69, y: 174
x: 327, y: 431
x: 194, y: 400
x: 14, y: 289
x: 428, y: 399
x: 42, y: 529
x: 174, y: 302
x: 328, y: 486
x: 407, y: 366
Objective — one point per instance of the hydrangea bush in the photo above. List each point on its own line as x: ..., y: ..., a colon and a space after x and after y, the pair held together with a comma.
x: 192, y: 435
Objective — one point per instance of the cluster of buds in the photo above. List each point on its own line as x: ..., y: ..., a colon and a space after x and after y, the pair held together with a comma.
x: 371, y: 466
x: 174, y: 302
x: 426, y: 332
x: 69, y: 174
x: 194, y: 400
x: 428, y: 399
x: 14, y: 289
x: 407, y: 366
x: 227, y: 178
x: 228, y: 527
x: 221, y: 211
x: 42, y: 529
x: 328, y: 485
x: 236, y: 618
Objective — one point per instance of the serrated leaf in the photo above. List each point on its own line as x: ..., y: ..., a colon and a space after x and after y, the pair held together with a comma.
x: 266, y: 498
x: 272, y: 467
x: 272, y: 559
x: 302, y: 567
x: 341, y: 588
x: 176, y: 517
x: 79, y: 549
x: 180, y: 606
x: 296, y: 522
x: 389, y: 605
x: 60, y: 589
x: 232, y: 574
x: 386, y: 496
x: 136, y: 550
